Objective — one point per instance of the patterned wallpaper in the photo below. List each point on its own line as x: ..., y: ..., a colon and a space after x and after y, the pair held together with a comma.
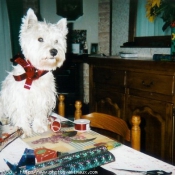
x: 120, y: 21
x: 104, y: 26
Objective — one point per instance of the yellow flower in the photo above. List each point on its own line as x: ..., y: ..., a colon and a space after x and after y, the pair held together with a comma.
x: 173, y: 36
x: 151, y: 18
x: 152, y: 3
x: 156, y: 2
x: 164, y: 9
x: 150, y: 9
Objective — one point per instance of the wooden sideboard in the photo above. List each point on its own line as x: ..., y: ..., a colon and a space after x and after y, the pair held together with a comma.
x: 123, y: 87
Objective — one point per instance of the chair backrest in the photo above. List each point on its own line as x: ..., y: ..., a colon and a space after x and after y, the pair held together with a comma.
x: 109, y: 123
x: 116, y: 125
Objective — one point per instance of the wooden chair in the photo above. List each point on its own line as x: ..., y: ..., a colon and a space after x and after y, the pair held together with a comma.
x: 116, y: 125
x: 113, y: 125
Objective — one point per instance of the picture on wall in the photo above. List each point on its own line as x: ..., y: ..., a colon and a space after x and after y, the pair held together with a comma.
x: 70, y: 9
x: 79, y: 37
x: 94, y: 48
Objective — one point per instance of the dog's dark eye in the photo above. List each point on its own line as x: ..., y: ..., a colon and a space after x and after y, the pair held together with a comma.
x: 40, y: 40
x: 56, y: 41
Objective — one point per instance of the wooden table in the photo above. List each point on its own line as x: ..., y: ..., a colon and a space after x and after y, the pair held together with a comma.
x: 126, y: 157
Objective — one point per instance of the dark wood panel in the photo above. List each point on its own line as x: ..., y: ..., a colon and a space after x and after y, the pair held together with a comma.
x: 109, y: 102
x: 109, y: 76
x: 156, y: 126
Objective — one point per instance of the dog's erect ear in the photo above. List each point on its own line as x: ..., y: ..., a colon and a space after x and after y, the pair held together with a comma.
x: 62, y: 25
x: 30, y: 18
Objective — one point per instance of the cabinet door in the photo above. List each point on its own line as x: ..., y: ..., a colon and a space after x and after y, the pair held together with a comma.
x: 109, y: 102
x: 156, y: 126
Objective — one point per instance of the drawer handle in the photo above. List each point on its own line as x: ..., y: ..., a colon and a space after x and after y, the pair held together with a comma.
x: 147, y: 85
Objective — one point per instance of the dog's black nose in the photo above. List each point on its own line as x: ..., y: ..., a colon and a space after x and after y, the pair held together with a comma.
x: 53, y: 52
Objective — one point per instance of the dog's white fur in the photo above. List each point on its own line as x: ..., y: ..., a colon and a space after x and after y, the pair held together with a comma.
x: 25, y: 108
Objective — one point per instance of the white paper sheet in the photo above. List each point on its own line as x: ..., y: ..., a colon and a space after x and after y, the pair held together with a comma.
x: 128, y: 158
x: 12, y: 153
x: 58, y: 116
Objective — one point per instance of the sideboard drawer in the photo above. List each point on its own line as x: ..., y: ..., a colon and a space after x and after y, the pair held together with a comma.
x: 109, y: 76
x: 162, y: 84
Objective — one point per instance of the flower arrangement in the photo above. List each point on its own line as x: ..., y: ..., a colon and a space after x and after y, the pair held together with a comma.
x: 164, y: 9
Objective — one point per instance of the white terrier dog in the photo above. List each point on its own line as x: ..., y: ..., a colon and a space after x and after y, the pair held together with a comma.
x: 28, y: 93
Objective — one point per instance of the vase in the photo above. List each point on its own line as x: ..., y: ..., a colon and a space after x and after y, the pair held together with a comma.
x: 172, y: 40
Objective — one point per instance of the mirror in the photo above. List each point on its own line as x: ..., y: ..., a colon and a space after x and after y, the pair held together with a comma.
x: 151, y: 41
x: 146, y: 28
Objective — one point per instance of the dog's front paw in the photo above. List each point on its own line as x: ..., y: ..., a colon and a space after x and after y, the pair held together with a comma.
x: 4, y: 121
x: 39, y: 128
x: 27, y: 132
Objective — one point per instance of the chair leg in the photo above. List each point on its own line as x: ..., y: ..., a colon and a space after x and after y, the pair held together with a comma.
x: 135, y: 132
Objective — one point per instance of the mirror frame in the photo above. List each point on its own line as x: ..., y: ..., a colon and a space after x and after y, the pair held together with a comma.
x: 146, y: 41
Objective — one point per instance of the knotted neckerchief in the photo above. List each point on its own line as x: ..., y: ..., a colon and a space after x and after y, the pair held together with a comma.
x: 31, y: 73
